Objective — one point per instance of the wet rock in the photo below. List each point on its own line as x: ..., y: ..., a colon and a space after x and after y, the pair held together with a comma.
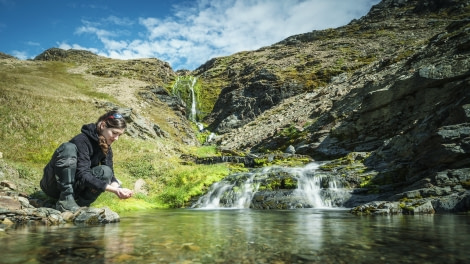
x: 290, y: 149
x: 18, y: 210
x: 377, y: 208
x: 96, y: 216
x: 249, y: 160
x: 8, y: 185
x: 10, y: 203
x: 452, y: 203
x: 425, y: 207
x: 246, y: 161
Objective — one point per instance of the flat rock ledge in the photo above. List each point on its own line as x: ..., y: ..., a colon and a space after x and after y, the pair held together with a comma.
x: 17, y: 210
x: 455, y: 203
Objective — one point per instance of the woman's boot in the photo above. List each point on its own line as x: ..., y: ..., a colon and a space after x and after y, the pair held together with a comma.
x: 65, y: 179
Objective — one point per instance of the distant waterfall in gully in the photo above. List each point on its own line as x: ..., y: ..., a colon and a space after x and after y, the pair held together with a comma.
x: 192, y: 116
x: 185, y: 89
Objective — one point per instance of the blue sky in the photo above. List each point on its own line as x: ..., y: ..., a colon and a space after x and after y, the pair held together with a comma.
x: 184, y: 33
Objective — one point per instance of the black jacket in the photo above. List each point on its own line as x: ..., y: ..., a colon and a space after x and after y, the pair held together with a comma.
x: 89, y: 155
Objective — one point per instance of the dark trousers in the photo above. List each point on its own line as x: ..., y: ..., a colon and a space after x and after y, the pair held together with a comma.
x: 65, y: 157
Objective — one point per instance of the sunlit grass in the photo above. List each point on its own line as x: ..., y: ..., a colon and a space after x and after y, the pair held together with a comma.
x: 169, y: 182
x: 42, y: 106
x: 132, y: 204
x: 189, y: 181
x: 39, y: 111
x: 205, y: 151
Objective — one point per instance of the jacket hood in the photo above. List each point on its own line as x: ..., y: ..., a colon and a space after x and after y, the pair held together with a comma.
x: 90, y: 131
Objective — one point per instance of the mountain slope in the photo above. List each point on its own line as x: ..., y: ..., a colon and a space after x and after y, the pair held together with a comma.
x: 254, y: 81
x: 406, y: 108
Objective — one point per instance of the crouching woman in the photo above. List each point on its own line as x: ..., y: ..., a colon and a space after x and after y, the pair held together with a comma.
x: 81, y: 169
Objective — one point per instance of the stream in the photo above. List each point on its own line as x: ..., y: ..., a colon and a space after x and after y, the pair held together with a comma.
x: 245, y: 236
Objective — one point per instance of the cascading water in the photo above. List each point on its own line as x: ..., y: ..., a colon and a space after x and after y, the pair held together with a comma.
x: 236, y: 191
x: 181, y: 88
x: 243, y: 190
x: 309, y: 185
x: 192, y: 117
x: 320, y: 191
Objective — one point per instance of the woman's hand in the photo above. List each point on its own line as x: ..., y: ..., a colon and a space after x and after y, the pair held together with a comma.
x: 122, y: 193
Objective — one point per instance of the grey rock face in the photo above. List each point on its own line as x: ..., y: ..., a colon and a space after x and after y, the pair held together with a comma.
x: 409, y: 108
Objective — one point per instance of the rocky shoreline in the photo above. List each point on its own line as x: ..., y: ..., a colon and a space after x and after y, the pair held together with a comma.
x: 444, y: 193
x: 18, y: 209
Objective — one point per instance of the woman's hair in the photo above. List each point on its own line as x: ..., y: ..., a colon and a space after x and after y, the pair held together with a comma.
x: 112, y: 119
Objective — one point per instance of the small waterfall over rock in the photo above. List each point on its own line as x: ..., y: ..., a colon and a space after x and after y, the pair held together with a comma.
x: 276, y: 188
x: 319, y: 190
x: 228, y: 194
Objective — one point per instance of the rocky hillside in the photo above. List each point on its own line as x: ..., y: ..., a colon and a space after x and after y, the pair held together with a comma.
x: 139, y: 85
x: 152, y: 71
x: 384, y: 36
x: 6, y: 56
x: 392, y: 85
x: 255, y: 81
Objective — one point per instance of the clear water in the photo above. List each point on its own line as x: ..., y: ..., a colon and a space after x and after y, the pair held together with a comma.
x: 246, y: 236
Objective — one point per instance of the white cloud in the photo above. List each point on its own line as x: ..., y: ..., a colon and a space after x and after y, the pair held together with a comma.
x: 110, y: 44
x: 119, y: 21
x: 213, y: 28
x: 100, y: 33
x: 33, y: 43
x: 22, y: 55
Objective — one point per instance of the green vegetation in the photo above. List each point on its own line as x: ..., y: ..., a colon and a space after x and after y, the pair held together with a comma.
x: 43, y: 105
x: 279, y: 183
x: 170, y: 183
x: 292, y: 134
x: 148, y: 70
x: 205, y: 151
x: 39, y: 110
x: 279, y: 160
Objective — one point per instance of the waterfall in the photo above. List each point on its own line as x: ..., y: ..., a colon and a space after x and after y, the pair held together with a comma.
x: 192, y: 117
x: 229, y: 194
x: 174, y: 88
x: 320, y: 191
x: 184, y: 88
x: 314, y: 189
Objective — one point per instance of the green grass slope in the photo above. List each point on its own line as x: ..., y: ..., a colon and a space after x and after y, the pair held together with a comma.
x: 42, y: 104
